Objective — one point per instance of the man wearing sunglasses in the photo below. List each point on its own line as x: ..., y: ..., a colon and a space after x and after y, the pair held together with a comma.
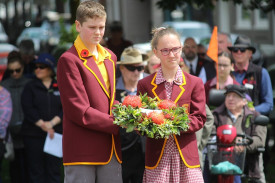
x: 254, y: 78
x: 132, y: 70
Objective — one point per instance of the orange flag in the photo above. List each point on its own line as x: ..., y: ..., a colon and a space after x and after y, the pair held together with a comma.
x: 212, y: 51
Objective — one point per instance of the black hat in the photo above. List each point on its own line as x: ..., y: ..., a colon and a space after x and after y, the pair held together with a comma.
x: 47, y: 59
x: 238, y: 89
x: 242, y: 42
x: 116, y: 27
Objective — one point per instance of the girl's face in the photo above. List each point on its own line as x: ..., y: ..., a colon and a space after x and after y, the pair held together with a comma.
x: 168, y: 50
x: 16, y: 70
x: 224, y: 66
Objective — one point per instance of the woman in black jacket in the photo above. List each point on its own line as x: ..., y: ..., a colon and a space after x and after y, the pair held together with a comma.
x: 42, y: 115
x: 15, y: 84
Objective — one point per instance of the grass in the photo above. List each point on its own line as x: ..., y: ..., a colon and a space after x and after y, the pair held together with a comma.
x: 5, y: 171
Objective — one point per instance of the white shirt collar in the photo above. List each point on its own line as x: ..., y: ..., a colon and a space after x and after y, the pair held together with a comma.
x: 194, y: 63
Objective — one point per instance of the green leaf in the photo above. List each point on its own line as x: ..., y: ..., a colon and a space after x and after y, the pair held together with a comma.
x: 130, y: 128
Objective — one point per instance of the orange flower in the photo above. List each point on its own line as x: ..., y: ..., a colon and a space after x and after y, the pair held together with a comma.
x: 156, y: 117
x: 132, y: 100
x: 166, y: 104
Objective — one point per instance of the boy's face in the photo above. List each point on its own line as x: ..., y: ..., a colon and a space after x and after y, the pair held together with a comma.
x: 91, y: 31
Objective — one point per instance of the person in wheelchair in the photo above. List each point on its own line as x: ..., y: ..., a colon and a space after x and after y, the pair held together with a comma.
x: 234, y: 111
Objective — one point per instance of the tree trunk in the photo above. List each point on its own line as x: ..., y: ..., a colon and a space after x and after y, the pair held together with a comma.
x: 6, y: 22
x: 73, y: 6
x: 59, y: 4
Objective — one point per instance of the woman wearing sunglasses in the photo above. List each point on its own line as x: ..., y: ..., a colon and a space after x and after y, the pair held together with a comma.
x: 131, y: 66
x: 42, y: 115
x: 174, y: 159
x: 15, y: 84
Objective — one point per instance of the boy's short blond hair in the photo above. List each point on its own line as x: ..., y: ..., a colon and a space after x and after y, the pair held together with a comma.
x: 90, y: 9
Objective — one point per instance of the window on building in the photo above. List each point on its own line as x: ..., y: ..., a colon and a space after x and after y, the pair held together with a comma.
x: 248, y: 19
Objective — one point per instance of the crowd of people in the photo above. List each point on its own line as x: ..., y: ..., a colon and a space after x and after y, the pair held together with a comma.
x: 35, y: 112
x: 74, y: 97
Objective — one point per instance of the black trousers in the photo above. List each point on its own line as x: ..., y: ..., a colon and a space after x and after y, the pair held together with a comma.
x: 42, y: 167
x: 133, y: 164
x: 18, y: 167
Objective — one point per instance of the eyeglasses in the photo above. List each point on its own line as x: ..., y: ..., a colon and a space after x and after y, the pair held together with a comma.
x: 236, y: 49
x: 40, y: 67
x: 15, y: 70
x: 133, y: 68
x: 166, y: 51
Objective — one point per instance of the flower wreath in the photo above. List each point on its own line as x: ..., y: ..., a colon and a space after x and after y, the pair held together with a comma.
x: 155, y: 119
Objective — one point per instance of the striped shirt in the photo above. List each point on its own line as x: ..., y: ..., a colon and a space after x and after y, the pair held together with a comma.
x: 5, y: 111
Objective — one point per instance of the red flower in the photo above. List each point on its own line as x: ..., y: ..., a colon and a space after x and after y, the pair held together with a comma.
x: 245, y: 81
x: 169, y: 116
x: 132, y: 100
x: 84, y: 53
x: 200, y: 63
x: 55, y: 85
x: 166, y: 104
x: 156, y: 117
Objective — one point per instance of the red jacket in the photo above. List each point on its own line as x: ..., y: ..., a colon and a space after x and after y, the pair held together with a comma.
x: 191, y: 95
x: 89, y: 135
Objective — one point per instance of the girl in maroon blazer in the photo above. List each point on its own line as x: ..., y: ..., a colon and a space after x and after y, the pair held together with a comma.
x: 174, y: 159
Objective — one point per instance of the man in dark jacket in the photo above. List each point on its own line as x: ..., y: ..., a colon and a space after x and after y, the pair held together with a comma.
x: 256, y: 80
x: 200, y: 67
x: 235, y: 112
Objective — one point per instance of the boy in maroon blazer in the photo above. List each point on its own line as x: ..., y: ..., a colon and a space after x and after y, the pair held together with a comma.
x: 86, y: 79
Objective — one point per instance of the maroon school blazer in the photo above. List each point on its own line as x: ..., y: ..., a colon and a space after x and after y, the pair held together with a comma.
x: 191, y: 95
x: 89, y: 135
